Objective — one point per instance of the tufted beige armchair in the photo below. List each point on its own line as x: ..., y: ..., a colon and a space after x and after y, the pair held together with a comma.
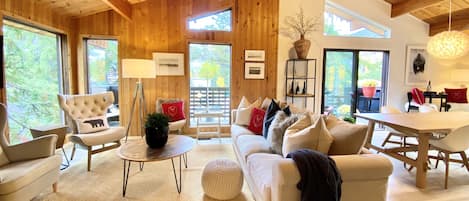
x: 26, y: 169
x: 176, y: 125
x: 86, y: 106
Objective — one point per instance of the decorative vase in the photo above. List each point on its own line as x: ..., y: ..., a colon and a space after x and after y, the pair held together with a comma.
x: 156, y: 138
x: 302, y: 47
x: 369, y: 92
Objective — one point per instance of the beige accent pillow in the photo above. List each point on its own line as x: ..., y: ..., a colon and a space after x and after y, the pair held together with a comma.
x: 91, y: 125
x: 303, y: 135
x: 348, y: 138
x: 243, y: 114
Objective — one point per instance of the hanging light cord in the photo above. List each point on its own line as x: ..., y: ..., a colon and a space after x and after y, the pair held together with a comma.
x: 450, y: 9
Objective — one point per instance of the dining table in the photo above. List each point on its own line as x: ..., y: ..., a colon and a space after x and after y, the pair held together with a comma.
x: 422, y: 125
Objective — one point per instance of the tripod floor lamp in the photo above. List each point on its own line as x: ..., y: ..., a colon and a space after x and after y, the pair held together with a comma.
x: 138, y: 68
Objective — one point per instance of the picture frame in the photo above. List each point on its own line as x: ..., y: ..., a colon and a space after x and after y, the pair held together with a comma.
x: 254, y: 55
x: 254, y: 70
x: 417, y: 68
x: 169, y: 64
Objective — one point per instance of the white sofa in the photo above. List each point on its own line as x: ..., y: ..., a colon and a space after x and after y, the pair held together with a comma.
x: 274, y: 178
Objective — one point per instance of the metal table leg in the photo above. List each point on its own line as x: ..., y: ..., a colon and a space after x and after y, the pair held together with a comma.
x: 126, y: 177
x: 178, y: 184
x: 184, y: 156
x: 65, y: 166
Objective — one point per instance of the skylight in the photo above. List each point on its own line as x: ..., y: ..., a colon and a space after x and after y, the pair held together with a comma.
x: 220, y: 21
x: 339, y: 21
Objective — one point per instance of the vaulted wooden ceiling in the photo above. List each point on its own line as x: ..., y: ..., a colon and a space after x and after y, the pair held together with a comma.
x: 434, y: 12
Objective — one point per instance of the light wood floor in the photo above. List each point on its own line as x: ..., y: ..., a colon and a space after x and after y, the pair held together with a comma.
x: 156, y: 182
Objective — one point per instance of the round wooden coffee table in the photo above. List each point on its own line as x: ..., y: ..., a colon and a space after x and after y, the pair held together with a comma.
x: 138, y: 151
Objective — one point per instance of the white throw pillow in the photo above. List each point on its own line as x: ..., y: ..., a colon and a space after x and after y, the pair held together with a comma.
x: 91, y: 125
x: 243, y: 114
x: 301, y: 136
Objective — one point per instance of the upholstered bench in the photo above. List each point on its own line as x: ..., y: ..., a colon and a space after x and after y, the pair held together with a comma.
x: 222, y: 179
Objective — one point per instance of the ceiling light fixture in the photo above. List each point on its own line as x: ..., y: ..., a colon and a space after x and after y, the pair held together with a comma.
x: 448, y: 44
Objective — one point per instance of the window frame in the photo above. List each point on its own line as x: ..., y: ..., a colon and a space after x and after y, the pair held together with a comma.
x: 207, y: 14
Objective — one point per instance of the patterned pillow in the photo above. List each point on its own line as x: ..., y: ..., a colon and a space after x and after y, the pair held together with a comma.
x: 257, y: 121
x: 270, y: 116
x: 175, y: 111
x: 277, y: 130
x: 457, y: 95
x: 91, y: 125
x: 417, y: 96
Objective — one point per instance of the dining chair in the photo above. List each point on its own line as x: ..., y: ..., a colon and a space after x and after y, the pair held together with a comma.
x: 456, y: 142
x: 426, y: 108
x: 392, y: 132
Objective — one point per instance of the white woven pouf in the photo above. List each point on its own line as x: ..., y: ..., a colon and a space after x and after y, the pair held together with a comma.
x: 222, y: 179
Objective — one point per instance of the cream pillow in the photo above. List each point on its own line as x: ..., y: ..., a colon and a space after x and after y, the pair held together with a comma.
x: 303, y: 135
x: 91, y: 125
x: 348, y: 138
x: 243, y: 114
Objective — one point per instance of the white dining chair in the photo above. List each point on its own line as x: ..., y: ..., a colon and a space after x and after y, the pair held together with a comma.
x: 393, y: 132
x: 426, y: 108
x: 456, y: 142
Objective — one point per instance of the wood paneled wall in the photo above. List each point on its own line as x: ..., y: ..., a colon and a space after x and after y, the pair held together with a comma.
x: 160, y: 26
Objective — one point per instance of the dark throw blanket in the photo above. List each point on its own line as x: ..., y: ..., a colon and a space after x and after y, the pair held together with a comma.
x: 320, y: 178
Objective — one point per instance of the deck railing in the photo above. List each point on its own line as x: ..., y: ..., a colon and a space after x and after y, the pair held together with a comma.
x: 215, y: 99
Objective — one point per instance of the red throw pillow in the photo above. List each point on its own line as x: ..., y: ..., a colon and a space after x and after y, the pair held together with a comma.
x: 457, y: 95
x: 417, y: 96
x: 174, y: 110
x: 257, y: 121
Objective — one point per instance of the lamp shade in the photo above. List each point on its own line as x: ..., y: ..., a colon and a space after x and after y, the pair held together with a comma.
x: 460, y: 75
x: 448, y: 45
x: 138, y: 68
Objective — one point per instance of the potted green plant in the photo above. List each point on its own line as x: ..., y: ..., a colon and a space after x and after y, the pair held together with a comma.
x: 368, y: 86
x: 156, y: 130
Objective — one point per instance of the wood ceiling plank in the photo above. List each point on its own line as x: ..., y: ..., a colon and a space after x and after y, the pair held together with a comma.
x: 123, y: 7
x: 460, y: 21
x: 410, y: 5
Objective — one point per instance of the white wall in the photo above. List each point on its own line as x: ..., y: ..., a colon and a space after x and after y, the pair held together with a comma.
x: 405, y: 30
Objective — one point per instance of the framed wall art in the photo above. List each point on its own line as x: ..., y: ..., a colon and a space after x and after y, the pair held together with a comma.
x: 417, y: 66
x: 254, y: 70
x: 254, y: 55
x: 169, y: 64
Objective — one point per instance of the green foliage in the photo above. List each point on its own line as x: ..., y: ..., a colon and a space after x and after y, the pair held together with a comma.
x: 350, y: 119
x: 32, y: 74
x: 211, y: 63
x: 102, y: 64
x: 156, y: 120
x: 209, y: 70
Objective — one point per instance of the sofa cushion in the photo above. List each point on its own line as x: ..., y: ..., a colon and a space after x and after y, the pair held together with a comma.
x: 348, y: 138
x: 237, y: 130
x: 270, y: 116
x: 243, y: 114
x: 259, y: 166
x: 257, y: 121
x: 277, y: 130
x: 249, y: 144
x: 100, y: 137
x: 315, y: 137
x: 459, y: 107
x: 16, y: 175
x: 457, y: 95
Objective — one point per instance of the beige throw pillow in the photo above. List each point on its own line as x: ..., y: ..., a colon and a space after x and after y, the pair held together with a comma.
x: 303, y: 135
x: 348, y: 138
x: 243, y: 114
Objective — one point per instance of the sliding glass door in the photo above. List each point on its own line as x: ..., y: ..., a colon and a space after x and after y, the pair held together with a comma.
x: 33, y: 76
x: 353, y: 81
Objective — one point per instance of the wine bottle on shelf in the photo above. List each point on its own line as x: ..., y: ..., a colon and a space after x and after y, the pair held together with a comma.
x: 291, y: 88
x: 429, y: 86
x: 304, y: 87
x: 297, y: 88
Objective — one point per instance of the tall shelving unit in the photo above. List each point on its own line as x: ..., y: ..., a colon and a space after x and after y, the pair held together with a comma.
x: 300, y: 74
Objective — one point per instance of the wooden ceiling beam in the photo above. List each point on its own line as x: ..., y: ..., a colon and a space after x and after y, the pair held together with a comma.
x: 460, y: 22
x: 404, y: 7
x: 123, y: 7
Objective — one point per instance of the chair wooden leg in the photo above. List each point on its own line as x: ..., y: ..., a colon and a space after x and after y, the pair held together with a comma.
x: 73, y: 152
x: 386, y: 140
x: 405, y: 153
x: 54, y: 187
x: 438, y: 159
x: 89, y: 158
x: 464, y: 159
x: 447, y: 169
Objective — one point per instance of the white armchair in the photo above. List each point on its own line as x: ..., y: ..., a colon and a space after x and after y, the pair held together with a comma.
x: 26, y: 169
x: 175, y: 125
x: 78, y: 107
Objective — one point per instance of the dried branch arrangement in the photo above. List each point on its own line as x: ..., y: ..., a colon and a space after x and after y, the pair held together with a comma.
x: 302, y: 24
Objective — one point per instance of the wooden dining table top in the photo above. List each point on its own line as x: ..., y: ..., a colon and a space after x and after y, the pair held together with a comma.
x: 419, y: 123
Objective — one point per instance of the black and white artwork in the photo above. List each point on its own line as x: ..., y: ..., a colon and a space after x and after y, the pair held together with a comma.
x: 254, y: 55
x: 169, y: 64
x: 254, y: 70
x: 417, y: 67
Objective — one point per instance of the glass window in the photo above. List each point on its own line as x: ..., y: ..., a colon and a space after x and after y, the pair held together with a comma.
x: 339, y: 21
x: 210, y: 67
x: 219, y: 21
x: 33, y: 75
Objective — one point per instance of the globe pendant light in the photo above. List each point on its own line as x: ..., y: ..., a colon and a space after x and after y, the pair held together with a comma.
x: 448, y: 44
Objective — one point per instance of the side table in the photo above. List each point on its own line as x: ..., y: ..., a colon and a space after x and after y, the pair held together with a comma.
x: 60, y: 131
x: 209, y: 124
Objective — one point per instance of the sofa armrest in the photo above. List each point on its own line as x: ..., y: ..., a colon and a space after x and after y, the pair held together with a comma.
x: 353, y: 169
x: 40, y: 147
x: 233, y: 116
